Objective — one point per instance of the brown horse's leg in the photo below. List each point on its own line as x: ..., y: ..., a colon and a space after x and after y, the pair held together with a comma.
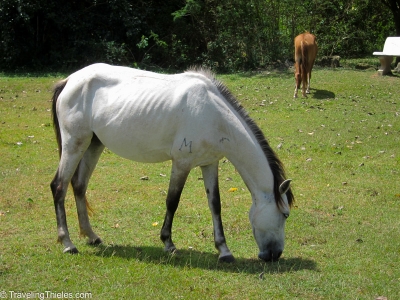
x: 304, y: 78
x: 176, y: 184
x: 308, y: 82
x: 310, y: 67
x: 210, y: 175
x: 297, y: 76
x: 80, y: 182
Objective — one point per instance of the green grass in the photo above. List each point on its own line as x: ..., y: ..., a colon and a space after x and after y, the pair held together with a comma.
x: 340, y: 146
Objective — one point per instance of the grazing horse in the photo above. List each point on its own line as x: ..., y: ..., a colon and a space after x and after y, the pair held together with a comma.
x: 305, y: 52
x: 189, y: 118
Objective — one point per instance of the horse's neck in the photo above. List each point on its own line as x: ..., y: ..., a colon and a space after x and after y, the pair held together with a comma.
x: 245, y: 153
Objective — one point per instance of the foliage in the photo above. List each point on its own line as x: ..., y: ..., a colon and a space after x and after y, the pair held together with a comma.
x: 340, y: 147
x: 226, y: 35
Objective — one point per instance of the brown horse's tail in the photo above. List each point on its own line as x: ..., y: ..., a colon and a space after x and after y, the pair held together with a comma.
x: 58, y: 88
x: 304, y: 63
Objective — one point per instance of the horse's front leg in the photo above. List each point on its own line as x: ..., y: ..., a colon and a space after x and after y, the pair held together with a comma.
x: 210, y: 175
x: 176, y: 184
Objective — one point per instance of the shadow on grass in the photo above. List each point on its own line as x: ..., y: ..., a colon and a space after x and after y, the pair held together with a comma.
x: 204, y: 260
x: 323, y: 94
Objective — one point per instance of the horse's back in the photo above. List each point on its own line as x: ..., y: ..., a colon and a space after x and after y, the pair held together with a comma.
x: 305, y: 40
x: 141, y: 115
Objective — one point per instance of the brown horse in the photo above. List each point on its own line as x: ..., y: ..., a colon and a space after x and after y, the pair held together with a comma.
x: 305, y: 52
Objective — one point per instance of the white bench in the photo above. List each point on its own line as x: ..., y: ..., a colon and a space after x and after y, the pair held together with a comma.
x: 390, y: 50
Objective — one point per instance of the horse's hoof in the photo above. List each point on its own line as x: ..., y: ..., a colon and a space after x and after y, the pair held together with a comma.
x: 171, y: 250
x: 95, y: 242
x: 227, y: 259
x: 169, y: 247
x: 70, y: 250
x: 174, y: 252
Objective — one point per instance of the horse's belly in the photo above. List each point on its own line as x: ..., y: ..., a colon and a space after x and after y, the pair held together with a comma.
x: 135, y: 154
x: 142, y: 146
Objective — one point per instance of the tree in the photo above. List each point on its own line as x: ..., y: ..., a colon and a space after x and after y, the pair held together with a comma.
x: 226, y: 35
x: 394, y: 6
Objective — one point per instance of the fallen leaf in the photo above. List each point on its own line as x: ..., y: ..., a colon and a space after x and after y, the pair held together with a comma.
x: 144, y: 178
x: 115, y: 225
x: 154, y: 224
x: 232, y: 190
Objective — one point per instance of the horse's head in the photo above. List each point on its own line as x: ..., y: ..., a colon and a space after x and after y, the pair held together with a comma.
x: 268, y: 222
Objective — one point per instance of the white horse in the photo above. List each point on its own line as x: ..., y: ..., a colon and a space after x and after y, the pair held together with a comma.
x: 191, y: 119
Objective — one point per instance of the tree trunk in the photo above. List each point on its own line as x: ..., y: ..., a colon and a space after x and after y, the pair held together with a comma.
x: 394, y: 6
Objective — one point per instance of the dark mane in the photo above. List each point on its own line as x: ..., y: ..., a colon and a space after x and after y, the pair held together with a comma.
x: 275, y: 164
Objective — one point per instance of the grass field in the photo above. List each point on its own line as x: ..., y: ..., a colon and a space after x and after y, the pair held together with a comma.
x: 341, y: 147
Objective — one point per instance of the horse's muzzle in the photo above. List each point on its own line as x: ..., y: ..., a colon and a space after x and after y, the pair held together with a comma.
x: 270, y: 255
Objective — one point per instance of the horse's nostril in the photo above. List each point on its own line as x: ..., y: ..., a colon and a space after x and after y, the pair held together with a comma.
x: 270, y: 255
x: 265, y: 256
x: 278, y: 254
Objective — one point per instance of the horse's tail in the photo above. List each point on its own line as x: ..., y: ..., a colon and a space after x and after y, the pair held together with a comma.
x: 304, y: 62
x: 58, y: 88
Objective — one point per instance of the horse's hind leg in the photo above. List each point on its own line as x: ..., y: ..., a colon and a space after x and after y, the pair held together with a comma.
x: 80, y: 182
x: 176, y: 184
x: 297, y: 76
x: 210, y: 175
x: 68, y: 163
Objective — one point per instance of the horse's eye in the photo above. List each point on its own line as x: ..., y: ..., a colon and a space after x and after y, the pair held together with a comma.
x: 286, y: 216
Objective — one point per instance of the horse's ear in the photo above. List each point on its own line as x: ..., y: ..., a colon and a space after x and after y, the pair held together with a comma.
x: 285, y: 186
